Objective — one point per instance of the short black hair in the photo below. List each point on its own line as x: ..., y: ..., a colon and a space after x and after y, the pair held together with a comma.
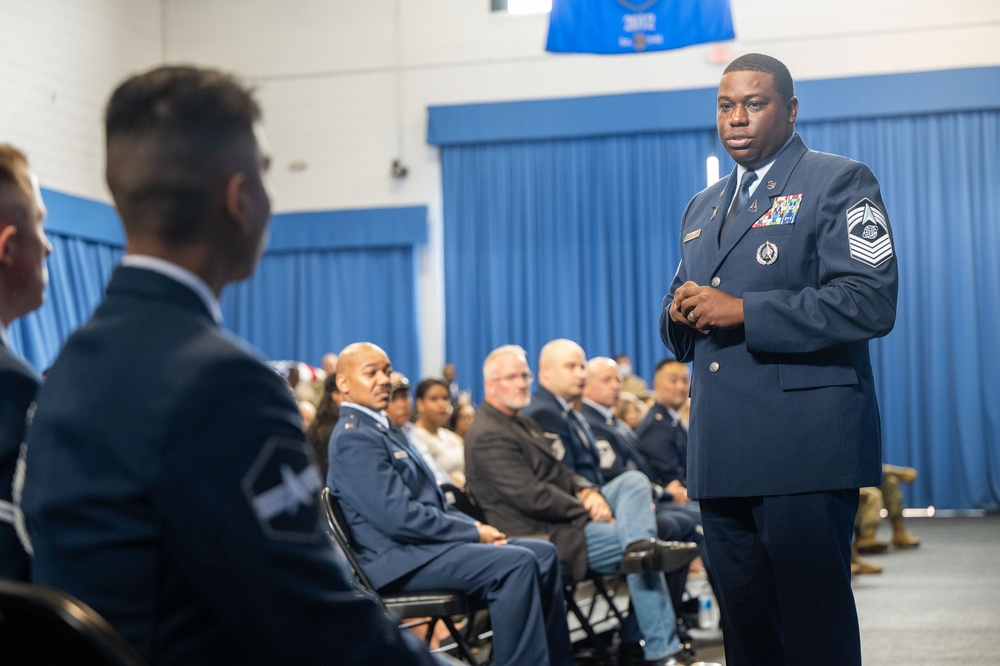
x: 670, y: 359
x: 175, y: 126
x: 758, y: 62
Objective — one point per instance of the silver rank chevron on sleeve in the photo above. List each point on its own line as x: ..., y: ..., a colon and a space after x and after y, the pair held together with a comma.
x: 868, y: 233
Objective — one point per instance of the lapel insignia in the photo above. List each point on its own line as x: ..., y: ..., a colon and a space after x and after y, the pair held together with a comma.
x: 714, y: 213
x: 694, y: 234
x: 771, y: 184
x: 868, y: 233
x: 659, y: 417
x: 783, y: 211
x: 753, y: 206
x: 767, y: 254
x: 399, y: 455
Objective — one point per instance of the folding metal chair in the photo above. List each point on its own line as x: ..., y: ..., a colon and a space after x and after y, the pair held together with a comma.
x: 439, y: 605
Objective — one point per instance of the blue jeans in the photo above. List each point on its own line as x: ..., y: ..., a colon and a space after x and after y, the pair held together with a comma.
x: 629, y: 497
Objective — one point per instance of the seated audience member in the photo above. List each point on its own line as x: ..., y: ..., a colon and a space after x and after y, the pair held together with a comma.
x: 450, y: 374
x: 168, y: 481
x: 630, y: 410
x: 462, y: 417
x: 524, y: 489
x: 662, y: 436
x: 892, y: 498
x: 430, y: 435
x: 631, y: 382
x: 869, y: 514
x: 327, y: 413
x: 620, y: 451
x: 23, y: 249
x: 409, y: 539
x: 400, y: 408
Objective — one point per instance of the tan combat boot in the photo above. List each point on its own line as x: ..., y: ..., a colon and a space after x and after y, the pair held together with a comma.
x: 868, y: 544
x: 901, y: 537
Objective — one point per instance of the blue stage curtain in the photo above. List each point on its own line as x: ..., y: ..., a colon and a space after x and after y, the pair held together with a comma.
x: 300, y: 305
x: 570, y: 238
x: 78, y: 271
x: 578, y: 238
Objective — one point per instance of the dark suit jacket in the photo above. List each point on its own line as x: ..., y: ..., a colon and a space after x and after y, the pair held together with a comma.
x: 664, y: 442
x: 18, y: 384
x: 522, y: 488
x: 169, y: 486
x: 564, y: 437
x: 786, y: 403
x: 399, y: 519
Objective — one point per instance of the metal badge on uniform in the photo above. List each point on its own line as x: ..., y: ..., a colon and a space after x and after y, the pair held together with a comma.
x: 771, y: 184
x: 715, y: 211
x: 783, y: 211
x: 556, y: 445
x: 282, y: 487
x: 691, y: 236
x: 399, y: 455
x: 753, y: 206
x: 659, y: 417
x: 767, y: 254
x: 868, y: 233
x: 607, y: 453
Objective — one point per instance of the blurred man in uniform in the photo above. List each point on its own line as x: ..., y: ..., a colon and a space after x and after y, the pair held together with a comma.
x: 169, y: 485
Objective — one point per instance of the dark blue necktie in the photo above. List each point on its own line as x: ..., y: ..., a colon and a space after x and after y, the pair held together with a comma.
x: 741, y: 201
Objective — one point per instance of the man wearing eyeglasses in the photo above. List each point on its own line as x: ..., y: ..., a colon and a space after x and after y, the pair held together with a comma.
x: 524, y: 489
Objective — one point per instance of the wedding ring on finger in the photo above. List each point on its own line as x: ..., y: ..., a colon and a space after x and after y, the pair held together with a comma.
x: 692, y: 318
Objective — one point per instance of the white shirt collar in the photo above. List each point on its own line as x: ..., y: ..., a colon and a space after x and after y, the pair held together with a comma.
x: 565, y: 405
x: 381, y: 417
x: 178, y: 274
x: 601, y: 409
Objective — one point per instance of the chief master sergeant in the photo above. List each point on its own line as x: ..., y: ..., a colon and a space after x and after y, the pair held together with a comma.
x: 787, y: 271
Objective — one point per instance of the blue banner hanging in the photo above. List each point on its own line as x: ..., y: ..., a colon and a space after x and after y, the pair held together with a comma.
x: 624, y: 26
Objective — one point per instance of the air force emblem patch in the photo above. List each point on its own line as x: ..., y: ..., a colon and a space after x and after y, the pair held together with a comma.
x: 555, y: 444
x: 868, y: 233
x: 607, y: 453
x: 282, y: 487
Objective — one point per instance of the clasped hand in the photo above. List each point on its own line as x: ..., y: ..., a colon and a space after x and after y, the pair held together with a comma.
x: 705, y: 308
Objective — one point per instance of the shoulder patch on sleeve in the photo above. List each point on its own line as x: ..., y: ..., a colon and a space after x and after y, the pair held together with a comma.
x: 282, y: 488
x: 868, y: 233
x: 607, y: 453
x: 555, y: 443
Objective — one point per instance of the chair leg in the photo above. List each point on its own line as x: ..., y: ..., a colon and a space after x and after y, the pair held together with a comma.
x: 464, y: 649
x: 600, y: 646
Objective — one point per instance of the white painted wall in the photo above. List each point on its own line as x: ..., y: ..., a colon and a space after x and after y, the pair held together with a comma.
x: 345, y: 84
x: 59, y: 60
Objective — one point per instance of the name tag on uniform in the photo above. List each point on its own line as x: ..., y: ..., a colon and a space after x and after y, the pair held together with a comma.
x: 691, y: 236
x: 399, y: 455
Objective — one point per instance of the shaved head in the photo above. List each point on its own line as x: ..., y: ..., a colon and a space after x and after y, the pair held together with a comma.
x: 562, y: 368
x: 603, y: 382
x: 364, y: 375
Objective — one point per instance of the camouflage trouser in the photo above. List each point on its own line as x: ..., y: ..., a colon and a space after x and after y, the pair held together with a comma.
x: 892, y: 495
x: 869, y: 509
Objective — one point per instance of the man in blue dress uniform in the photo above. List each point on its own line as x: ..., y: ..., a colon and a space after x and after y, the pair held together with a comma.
x: 169, y: 485
x: 410, y: 539
x: 787, y: 271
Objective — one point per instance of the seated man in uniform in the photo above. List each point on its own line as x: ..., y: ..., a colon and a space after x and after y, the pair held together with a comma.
x: 168, y: 484
x: 23, y: 249
x: 409, y: 538
x: 524, y: 489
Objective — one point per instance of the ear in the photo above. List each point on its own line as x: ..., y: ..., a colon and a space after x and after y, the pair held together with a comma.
x: 342, y: 383
x: 8, y: 244
x: 793, y: 109
x: 236, y: 203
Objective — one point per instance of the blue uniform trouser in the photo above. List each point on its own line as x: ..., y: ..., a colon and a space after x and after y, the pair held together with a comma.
x: 629, y: 497
x: 782, y: 568
x: 522, y: 584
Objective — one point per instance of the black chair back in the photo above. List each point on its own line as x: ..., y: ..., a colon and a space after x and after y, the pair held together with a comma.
x: 42, y: 626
